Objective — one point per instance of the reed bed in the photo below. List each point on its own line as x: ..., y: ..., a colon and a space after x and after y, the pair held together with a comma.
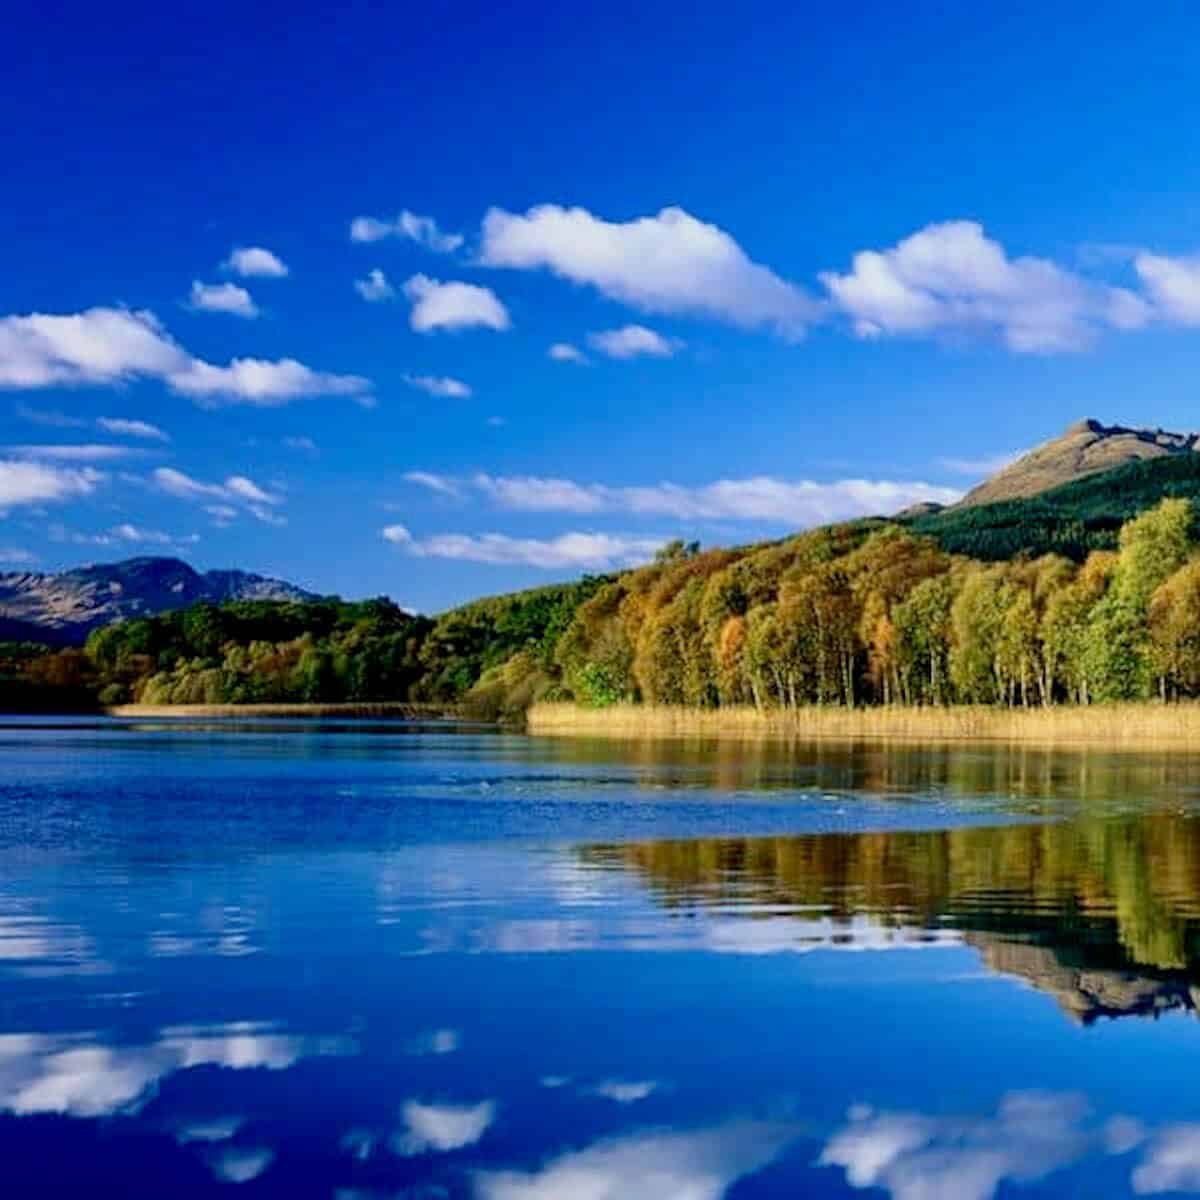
x: 1126, y: 726
x: 392, y: 710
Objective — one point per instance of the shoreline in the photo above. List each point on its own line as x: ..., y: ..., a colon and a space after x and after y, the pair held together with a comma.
x: 1119, y: 727
x: 395, y: 710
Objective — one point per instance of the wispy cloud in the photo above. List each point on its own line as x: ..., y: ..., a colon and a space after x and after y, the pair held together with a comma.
x: 80, y: 453
x: 422, y: 230
x: 565, y: 352
x: 255, y: 261
x: 669, y: 263
x: 762, y: 498
x: 16, y: 556
x: 222, y: 298
x: 454, y: 305
x: 977, y: 468
x: 126, y: 427
x: 304, y: 444
x: 42, y: 483
x: 237, y: 492
x: 439, y: 385
x: 375, y: 287
x: 110, y: 346
x: 576, y: 550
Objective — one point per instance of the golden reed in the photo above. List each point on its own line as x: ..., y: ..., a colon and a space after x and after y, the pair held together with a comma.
x: 1128, y: 726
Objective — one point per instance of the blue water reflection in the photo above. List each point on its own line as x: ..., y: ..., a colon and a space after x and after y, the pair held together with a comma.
x: 339, y: 962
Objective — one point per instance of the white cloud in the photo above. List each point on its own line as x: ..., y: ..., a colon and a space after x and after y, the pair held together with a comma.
x: 914, y: 1157
x: 80, y: 453
x: 1173, y: 285
x: 49, y: 417
x: 1171, y: 1162
x: 306, y: 444
x: 761, y: 498
x: 240, y: 1164
x: 632, y: 341
x: 569, y: 550
x: 625, y: 1092
x: 223, y: 298
x: 126, y: 532
x: 669, y: 263
x: 951, y: 277
x: 106, y: 346
x: 42, y: 483
x: 16, y: 556
x: 441, y: 1127
x: 439, y: 385
x: 126, y: 427
x: 423, y: 230
x: 695, y: 1165
x: 375, y: 287
x: 454, y: 305
x: 260, y: 382
x: 74, y: 1075
x: 565, y: 352
x: 255, y: 261
x: 442, y: 484
x: 237, y: 492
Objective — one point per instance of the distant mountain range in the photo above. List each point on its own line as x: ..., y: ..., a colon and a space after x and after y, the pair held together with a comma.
x: 64, y: 608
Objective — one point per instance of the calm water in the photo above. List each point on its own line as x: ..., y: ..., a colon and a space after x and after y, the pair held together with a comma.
x: 345, y: 961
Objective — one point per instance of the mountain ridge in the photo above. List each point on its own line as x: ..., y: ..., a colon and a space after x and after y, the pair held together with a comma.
x: 64, y: 607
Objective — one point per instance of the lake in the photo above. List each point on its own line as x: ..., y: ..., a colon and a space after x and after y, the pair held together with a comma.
x: 351, y: 961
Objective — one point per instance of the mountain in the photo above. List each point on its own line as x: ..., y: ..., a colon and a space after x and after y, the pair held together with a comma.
x: 1086, y: 448
x: 63, y: 609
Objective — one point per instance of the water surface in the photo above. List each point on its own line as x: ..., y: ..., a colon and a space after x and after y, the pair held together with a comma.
x: 344, y: 960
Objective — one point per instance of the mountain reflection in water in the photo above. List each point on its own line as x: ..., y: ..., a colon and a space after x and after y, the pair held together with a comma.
x: 1102, y: 914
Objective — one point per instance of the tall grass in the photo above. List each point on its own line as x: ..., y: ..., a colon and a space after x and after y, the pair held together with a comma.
x: 1127, y: 726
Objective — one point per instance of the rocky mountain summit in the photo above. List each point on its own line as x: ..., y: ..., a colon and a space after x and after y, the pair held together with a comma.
x: 1085, y: 448
x: 64, y: 608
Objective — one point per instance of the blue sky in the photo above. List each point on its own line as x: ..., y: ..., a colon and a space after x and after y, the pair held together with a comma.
x: 807, y: 264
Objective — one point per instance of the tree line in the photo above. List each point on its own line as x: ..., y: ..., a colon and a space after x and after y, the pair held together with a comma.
x: 868, y: 612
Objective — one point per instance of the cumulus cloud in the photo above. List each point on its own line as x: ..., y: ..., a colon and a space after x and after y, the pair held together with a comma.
x: 43, y: 483
x: 107, y: 346
x: 126, y: 427
x: 251, y: 261
x: 633, y: 341
x: 565, y: 352
x: 1171, y: 1162
x: 760, y: 498
x: 625, y: 1091
x: 698, y: 1165
x: 454, y: 305
x: 240, y: 1164
x: 439, y: 385
x: 423, y: 230
x: 441, y: 1127
x: 951, y: 277
x: 1173, y: 285
x: 913, y: 1157
x: 669, y: 263
x: 223, y: 298
x: 569, y: 550
x: 74, y: 1075
x: 375, y: 287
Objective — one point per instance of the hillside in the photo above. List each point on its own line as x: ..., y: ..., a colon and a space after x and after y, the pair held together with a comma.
x: 1086, y: 448
x: 64, y: 608
x: 1071, y: 520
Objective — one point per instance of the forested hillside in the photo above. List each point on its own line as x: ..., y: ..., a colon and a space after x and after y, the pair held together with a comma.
x: 1071, y: 520
x: 1039, y: 601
